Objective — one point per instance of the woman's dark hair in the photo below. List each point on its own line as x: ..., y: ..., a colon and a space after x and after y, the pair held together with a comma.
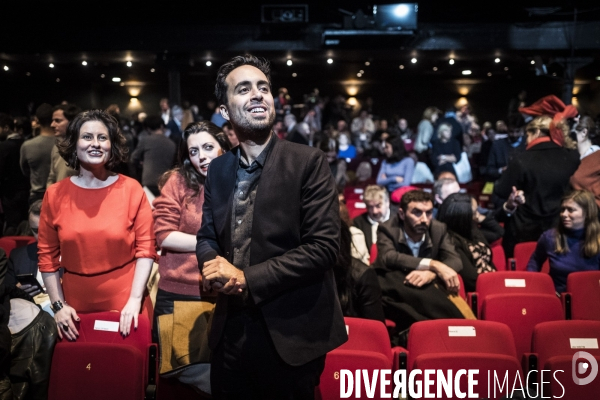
x: 235, y: 62
x: 342, y: 270
x: 457, y: 214
x: 194, y: 179
x: 591, y: 241
x: 398, y: 150
x: 118, y: 149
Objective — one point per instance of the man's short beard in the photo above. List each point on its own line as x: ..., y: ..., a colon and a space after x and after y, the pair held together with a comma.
x: 256, y: 132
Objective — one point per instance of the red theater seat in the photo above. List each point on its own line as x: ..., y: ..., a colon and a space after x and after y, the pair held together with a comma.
x: 498, y: 256
x: 9, y: 243
x: 102, y: 364
x: 582, y: 298
x: 522, y: 254
x: 522, y: 312
x: 509, y: 282
x: 451, y: 344
x: 554, y: 345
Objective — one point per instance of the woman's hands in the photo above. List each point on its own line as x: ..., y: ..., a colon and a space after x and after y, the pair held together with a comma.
x: 130, y: 312
x: 65, y: 318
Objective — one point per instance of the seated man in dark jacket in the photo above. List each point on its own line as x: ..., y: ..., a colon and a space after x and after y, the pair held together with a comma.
x: 417, y: 264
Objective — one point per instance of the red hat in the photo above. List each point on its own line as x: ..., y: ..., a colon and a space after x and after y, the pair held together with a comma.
x: 554, y: 107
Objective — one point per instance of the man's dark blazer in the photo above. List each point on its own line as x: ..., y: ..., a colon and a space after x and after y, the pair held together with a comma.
x: 295, y: 242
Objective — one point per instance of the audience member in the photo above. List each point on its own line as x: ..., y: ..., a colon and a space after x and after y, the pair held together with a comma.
x: 586, y: 133
x: 231, y: 137
x: 445, y: 151
x: 397, y: 169
x: 476, y: 256
x: 178, y: 214
x: 156, y: 154
x: 425, y: 131
x: 345, y: 148
x: 378, y: 211
x: 62, y: 115
x: 14, y: 186
x: 587, y: 176
x: 542, y: 172
x: 337, y: 165
x: 574, y: 245
x: 417, y: 265
x: 36, y: 154
x: 357, y: 285
x: 97, y: 225
x: 362, y: 129
x: 173, y: 131
x: 502, y: 150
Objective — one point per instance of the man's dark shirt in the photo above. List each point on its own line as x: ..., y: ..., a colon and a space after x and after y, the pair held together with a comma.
x: 246, y: 184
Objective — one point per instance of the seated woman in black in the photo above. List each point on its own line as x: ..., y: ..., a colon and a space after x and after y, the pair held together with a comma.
x: 457, y: 213
x: 357, y: 285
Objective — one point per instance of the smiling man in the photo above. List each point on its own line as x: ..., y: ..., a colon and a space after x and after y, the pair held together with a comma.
x: 417, y: 263
x: 268, y: 242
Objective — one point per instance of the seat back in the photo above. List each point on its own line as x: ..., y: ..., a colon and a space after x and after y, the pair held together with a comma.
x: 355, y: 208
x: 498, y: 256
x: 522, y: 254
x: 367, y: 362
x: 353, y: 193
x: 373, y: 253
x: 9, y: 243
x: 562, y: 384
x: 522, y: 312
x: 367, y: 335
x: 102, y: 364
x: 512, y: 282
x: 584, y: 288
x: 459, y: 336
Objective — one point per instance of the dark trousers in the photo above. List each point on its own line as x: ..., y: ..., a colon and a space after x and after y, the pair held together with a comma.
x: 245, y: 364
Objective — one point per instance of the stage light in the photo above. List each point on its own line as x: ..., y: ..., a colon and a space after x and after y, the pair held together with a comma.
x: 413, y: 60
x: 467, y: 72
x: 51, y: 65
x: 506, y: 68
x: 116, y: 79
x: 330, y: 61
x: 435, y: 68
x: 6, y: 67
x: 294, y: 75
x: 57, y: 79
x: 451, y: 61
x: 129, y: 63
x: 532, y: 62
x: 208, y: 64
x: 489, y: 74
x: 102, y: 76
x: 497, y: 60
x: 289, y: 63
x: 401, y: 66
x: 152, y: 70
x: 367, y: 63
x: 84, y: 63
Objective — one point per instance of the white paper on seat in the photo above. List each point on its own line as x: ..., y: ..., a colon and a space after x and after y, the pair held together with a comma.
x: 360, y: 205
x: 461, y: 331
x: 514, y: 283
x: 109, y: 326
x: 577, y: 343
x: 358, y: 190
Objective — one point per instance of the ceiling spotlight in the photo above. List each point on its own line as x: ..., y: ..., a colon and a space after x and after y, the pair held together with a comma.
x: 294, y: 75
x: 51, y: 65
x: 497, y: 60
x: 361, y: 71
x: 152, y: 69
x: 57, y: 79
x: 367, y: 63
x: 506, y: 68
x: 122, y: 84
x: 289, y: 63
x: 208, y: 64
x: 489, y: 74
x: 116, y: 79
x: 413, y: 60
x: 435, y: 68
x: 554, y: 74
x: 129, y: 63
x: 451, y: 61
x: 359, y: 74
x: 6, y: 67
x: 84, y: 63
x: 467, y: 72
x: 102, y: 76
x: 401, y: 66
x: 598, y: 78
x: 330, y: 61
x: 532, y: 62
x: 28, y: 73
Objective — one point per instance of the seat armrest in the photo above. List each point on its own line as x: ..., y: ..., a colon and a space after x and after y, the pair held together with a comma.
x: 400, y: 357
x: 565, y: 299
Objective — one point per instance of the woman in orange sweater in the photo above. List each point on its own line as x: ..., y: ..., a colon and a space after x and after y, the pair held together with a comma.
x: 178, y: 215
x: 97, y: 225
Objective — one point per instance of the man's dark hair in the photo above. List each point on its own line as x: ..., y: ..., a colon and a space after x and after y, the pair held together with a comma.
x: 36, y: 208
x: 68, y: 148
x: 417, y: 196
x: 153, y: 122
x: 237, y: 61
x: 44, y: 114
x: 70, y: 111
x: 7, y: 120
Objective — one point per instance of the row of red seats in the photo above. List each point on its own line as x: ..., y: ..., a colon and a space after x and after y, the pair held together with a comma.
x: 453, y: 345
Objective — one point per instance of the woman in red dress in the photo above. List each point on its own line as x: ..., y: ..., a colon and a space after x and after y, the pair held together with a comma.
x: 97, y: 225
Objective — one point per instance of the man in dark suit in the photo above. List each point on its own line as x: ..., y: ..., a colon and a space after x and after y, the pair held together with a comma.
x: 378, y: 211
x: 268, y: 242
